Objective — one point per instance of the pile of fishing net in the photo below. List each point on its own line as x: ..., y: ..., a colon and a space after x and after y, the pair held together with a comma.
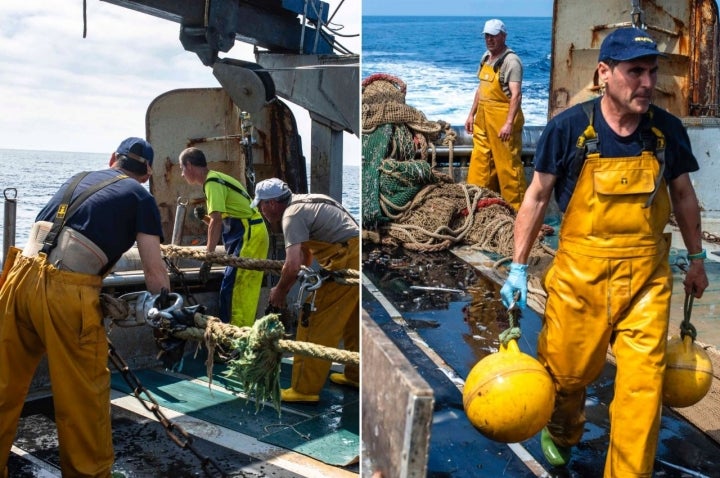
x: 405, y: 200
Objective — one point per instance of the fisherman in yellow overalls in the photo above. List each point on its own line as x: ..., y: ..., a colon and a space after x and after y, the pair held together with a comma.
x: 496, y: 120
x: 50, y: 304
x: 610, y: 162
x: 317, y: 227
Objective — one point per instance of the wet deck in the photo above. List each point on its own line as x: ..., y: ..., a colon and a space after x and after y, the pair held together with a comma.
x: 444, y: 334
x: 305, y: 440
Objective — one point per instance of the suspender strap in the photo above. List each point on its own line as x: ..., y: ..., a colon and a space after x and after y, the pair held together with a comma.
x: 69, y: 206
x: 587, y: 142
x: 238, y: 190
x: 498, y: 62
x: 331, y: 202
x: 654, y: 140
x: 61, y: 214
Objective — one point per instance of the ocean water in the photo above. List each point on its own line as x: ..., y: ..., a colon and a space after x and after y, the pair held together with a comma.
x: 32, y: 177
x: 438, y: 58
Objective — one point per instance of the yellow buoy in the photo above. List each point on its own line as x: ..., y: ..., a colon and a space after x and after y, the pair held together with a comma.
x: 688, y: 373
x: 508, y: 396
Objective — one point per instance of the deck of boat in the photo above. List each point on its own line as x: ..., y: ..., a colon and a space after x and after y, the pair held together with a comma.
x: 304, y: 440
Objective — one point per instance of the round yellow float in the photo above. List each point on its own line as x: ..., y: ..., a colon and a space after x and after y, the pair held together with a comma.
x: 508, y: 396
x: 688, y: 373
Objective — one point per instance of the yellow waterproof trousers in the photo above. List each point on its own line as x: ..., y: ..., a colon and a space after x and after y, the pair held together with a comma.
x: 45, y: 310
x: 496, y: 164
x: 336, y: 319
x: 248, y: 282
x: 610, y: 285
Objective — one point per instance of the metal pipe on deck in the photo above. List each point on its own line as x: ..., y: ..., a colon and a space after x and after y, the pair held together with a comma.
x: 9, y: 221
x: 462, y: 148
x: 179, y: 220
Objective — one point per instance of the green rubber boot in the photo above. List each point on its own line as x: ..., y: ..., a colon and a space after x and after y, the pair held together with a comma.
x: 555, y: 455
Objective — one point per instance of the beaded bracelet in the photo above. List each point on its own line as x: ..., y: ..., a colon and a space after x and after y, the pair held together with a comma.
x: 702, y: 255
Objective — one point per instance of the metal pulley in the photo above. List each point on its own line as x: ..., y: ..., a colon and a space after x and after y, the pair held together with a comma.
x: 248, y: 84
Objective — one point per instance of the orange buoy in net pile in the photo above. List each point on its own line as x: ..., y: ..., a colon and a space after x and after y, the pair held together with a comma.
x: 508, y: 396
x: 689, y: 371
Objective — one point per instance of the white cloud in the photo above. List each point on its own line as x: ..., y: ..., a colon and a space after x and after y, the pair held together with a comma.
x: 64, y: 92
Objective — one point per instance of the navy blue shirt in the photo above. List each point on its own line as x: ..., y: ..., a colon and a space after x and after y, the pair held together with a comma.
x: 111, y: 217
x: 556, y: 147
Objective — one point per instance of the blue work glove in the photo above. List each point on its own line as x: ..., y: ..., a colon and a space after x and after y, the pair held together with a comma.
x: 515, y: 282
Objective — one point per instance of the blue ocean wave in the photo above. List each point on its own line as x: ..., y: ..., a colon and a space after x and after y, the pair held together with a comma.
x: 438, y: 58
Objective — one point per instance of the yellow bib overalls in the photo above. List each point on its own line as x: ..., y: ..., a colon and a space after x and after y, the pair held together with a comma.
x: 610, y: 285
x: 337, y: 317
x: 496, y: 164
x: 47, y: 310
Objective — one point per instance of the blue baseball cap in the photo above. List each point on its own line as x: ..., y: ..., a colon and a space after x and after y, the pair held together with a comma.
x: 137, y: 149
x: 625, y: 44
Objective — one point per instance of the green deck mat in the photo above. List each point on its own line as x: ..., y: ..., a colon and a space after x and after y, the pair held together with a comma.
x: 328, y: 431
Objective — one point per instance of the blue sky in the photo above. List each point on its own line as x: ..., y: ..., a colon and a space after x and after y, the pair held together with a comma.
x: 477, y: 8
x: 63, y: 92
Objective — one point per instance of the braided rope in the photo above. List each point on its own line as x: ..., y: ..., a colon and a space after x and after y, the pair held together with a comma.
x: 344, y: 276
x: 215, y: 331
x: 221, y: 258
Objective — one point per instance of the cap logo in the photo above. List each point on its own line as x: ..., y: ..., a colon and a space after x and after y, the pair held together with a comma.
x: 645, y: 39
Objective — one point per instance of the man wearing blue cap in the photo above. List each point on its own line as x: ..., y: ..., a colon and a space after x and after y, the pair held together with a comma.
x: 616, y: 165
x: 50, y: 303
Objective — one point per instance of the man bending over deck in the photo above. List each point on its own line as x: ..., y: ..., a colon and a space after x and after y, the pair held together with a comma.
x: 316, y: 226
x: 50, y: 303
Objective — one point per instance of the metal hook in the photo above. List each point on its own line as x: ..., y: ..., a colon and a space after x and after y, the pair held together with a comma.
x: 155, y: 314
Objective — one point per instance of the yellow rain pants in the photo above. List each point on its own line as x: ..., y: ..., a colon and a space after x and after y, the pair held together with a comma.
x: 246, y: 288
x: 46, y: 310
x: 336, y: 319
x: 610, y: 284
x: 495, y: 163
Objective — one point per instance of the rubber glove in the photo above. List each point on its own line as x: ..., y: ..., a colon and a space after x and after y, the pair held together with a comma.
x: 204, y: 272
x: 199, y: 212
x: 516, y: 281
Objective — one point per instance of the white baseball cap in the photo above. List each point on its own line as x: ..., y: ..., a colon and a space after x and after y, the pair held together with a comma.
x: 494, y: 26
x: 272, y: 188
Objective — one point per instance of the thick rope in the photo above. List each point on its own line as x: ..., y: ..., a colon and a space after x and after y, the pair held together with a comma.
x: 686, y: 328
x: 344, y: 276
x: 513, y: 332
x: 257, y: 351
x: 221, y: 258
x: 209, y: 327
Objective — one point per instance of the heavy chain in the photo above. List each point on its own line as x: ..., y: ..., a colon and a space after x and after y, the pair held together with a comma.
x: 707, y: 236
x: 174, y: 431
x: 710, y: 237
x: 180, y: 275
